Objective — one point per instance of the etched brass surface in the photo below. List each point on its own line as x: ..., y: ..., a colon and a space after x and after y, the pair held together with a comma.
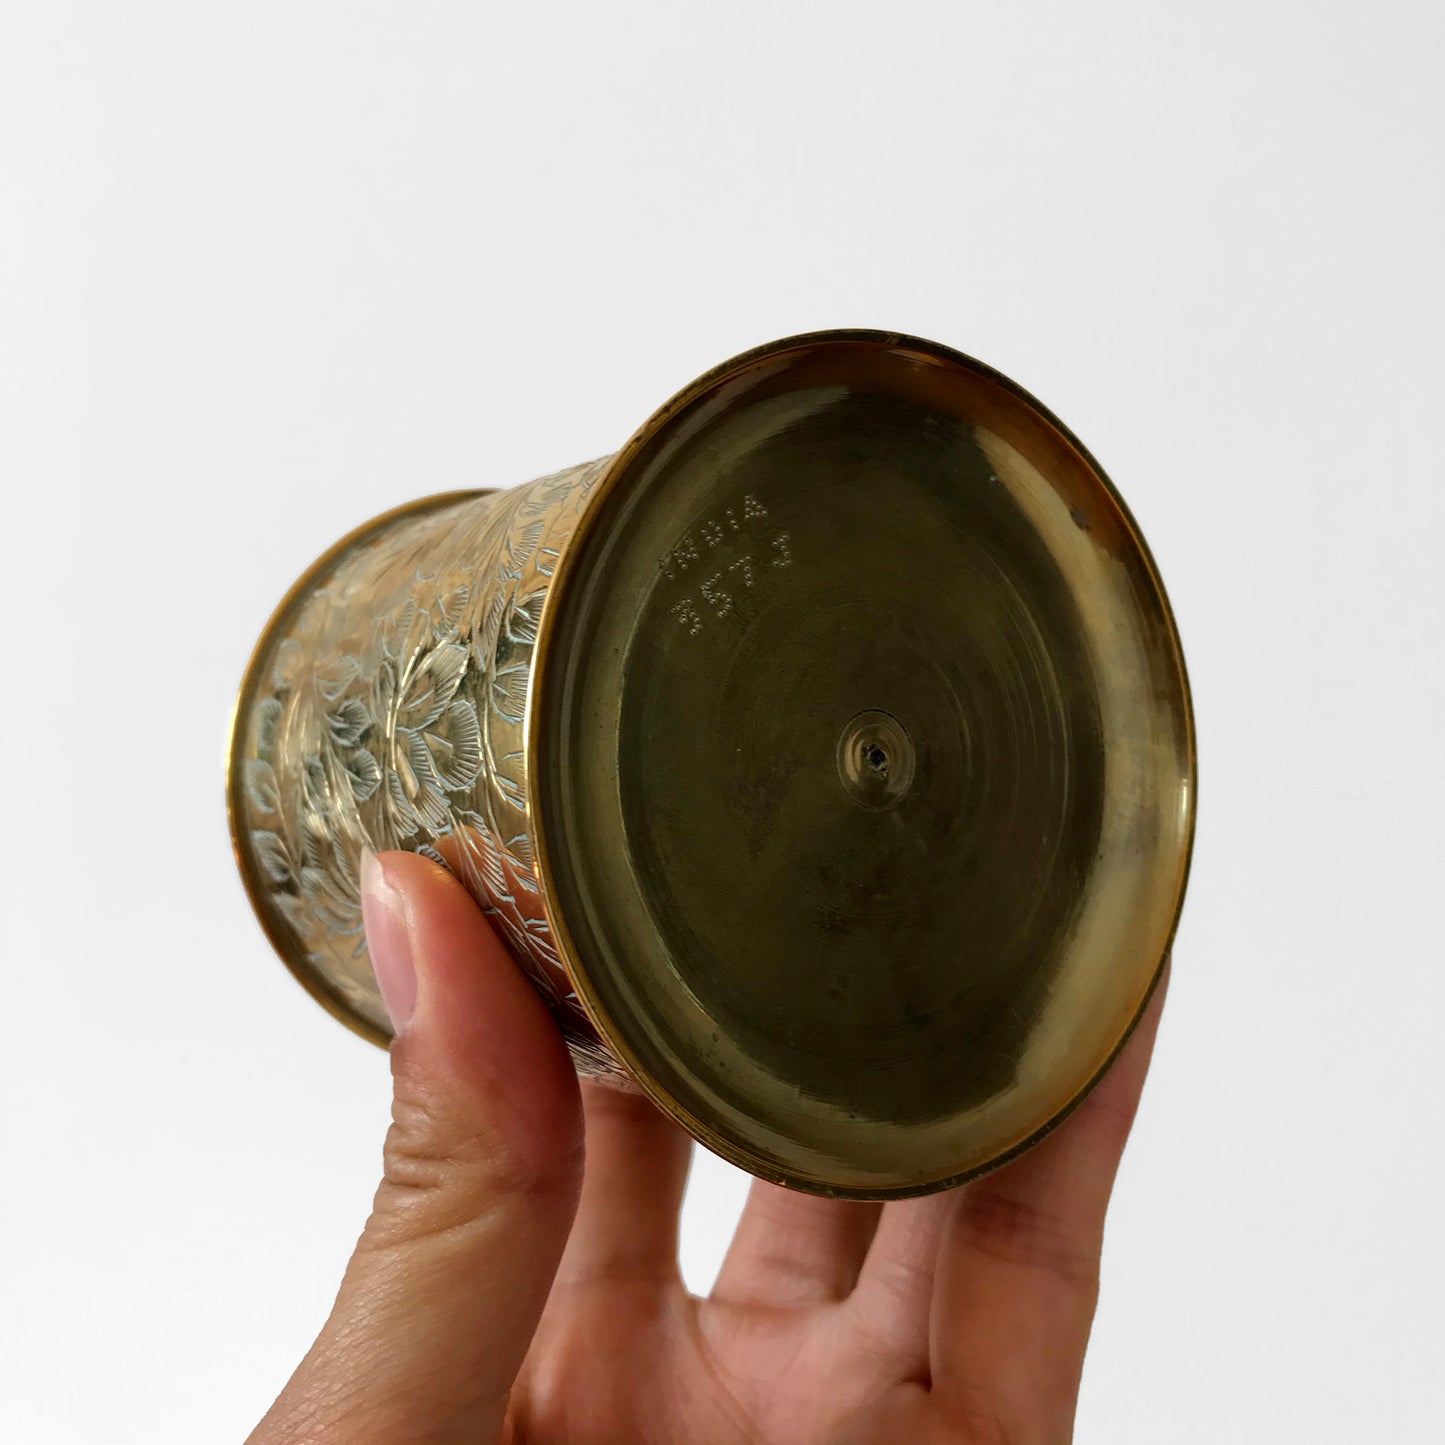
x: 825, y: 756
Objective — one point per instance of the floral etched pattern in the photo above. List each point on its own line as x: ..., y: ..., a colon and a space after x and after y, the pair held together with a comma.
x: 388, y: 712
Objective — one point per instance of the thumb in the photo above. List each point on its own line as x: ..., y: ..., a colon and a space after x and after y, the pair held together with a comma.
x: 482, y: 1170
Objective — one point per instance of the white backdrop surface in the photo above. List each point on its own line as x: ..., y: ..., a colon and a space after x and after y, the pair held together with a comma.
x: 267, y: 269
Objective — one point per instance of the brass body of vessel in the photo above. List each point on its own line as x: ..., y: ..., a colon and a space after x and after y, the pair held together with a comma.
x: 825, y: 757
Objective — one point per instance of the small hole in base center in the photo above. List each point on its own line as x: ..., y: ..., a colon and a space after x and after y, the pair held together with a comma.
x: 877, y: 758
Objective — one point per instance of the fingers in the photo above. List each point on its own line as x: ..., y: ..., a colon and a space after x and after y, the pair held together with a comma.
x: 637, y: 1165
x: 482, y: 1167
x: 890, y: 1307
x: 793, y: 1250
x: 1018, y: 1272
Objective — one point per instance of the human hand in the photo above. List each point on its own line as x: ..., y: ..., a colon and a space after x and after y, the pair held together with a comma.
x: 502, y: 1291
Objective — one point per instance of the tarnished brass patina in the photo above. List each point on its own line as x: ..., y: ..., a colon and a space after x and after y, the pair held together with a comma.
x: 824, y: 755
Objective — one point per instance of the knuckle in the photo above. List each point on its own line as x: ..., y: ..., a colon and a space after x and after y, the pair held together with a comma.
x: 420, y: 1154
x: 1016, y: 1231
x: 442, y: 1169
x: 1111, y: 1116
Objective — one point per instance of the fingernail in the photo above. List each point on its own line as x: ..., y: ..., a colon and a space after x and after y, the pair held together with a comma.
x: 388, y: 941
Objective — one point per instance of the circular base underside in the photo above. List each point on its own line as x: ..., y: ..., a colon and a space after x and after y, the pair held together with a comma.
x: 865, y: 767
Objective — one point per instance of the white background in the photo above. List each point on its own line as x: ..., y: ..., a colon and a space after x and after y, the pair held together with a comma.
x: 267, y: 269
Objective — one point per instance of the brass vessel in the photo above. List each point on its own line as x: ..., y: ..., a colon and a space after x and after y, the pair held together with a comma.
x: 825, y: 757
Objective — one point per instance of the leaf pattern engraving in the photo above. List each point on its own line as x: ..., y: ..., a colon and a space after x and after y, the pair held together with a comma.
x: 392, y: 715
x: 524, y: 617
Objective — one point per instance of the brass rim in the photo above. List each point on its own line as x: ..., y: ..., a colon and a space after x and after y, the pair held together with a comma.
x: 614, y: 477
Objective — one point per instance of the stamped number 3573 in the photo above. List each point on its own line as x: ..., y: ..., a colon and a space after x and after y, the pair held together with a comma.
x: 727, y: 555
